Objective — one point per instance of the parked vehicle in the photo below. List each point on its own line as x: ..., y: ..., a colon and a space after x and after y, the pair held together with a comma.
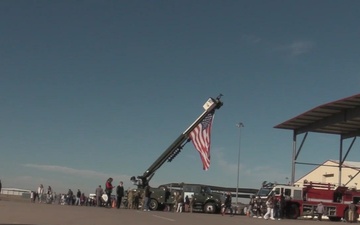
x: 302, y: 201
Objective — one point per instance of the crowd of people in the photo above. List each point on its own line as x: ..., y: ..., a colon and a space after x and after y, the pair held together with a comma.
x: 272, y: 208
x: 79, y: 198
x: 130, y: 199
x: 41, y: 196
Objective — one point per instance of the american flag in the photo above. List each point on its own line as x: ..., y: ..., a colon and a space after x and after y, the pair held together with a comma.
x: 200, y: 137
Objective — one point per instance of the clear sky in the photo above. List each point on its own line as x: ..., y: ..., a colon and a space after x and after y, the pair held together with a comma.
x: 93, y: 89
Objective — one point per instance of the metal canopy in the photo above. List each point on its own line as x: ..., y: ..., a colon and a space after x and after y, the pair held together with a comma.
x: 340, y: 117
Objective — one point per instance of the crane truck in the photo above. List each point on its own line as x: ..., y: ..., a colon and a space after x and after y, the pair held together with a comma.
x: 204, y: 199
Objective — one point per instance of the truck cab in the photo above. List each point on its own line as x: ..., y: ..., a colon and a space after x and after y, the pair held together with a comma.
x: 204, y: 200
x: 289, y: 192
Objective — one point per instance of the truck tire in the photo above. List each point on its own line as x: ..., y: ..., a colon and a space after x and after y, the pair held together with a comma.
x: 209, y: 208
x: 346, y: 216
x: 334, y: 218
x: 153, y: 204
x: 293, y: 212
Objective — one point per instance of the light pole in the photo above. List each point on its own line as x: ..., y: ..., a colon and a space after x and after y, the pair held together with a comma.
x: 239, y: 125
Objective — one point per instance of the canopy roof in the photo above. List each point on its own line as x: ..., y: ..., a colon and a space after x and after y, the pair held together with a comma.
x: 339, y: 117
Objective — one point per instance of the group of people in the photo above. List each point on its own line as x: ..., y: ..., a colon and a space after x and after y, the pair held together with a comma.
x: 41, y: 196
x: 272, y: 208
x: 78, y: 200
x: 181, y: 204
x: 275, y: 209
x: 108, y: 191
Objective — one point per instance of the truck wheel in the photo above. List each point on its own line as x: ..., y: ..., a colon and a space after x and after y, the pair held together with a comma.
x: 153, y: 205
x: 293, y: 212
x: 209, y: 208
x: 334, y: 218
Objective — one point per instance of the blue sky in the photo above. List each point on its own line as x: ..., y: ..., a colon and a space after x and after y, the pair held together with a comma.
x: 92, y: 89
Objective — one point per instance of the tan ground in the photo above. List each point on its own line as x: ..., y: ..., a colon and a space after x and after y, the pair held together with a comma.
x: 15, y: 210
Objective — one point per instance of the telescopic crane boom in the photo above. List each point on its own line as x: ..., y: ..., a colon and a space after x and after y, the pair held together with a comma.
x: 174, y: 149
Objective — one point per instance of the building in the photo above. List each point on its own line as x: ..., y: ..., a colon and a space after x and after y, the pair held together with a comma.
x: 328, y: 172
x: 14, y: 191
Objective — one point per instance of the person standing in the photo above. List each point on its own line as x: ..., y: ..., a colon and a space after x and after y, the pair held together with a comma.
x: 70, y: 197
x: 179, y: 203
x: 276, y: 208
x: 82, y: 199
x: 0, y: 187
x: 119, y: 194
x: 49, y: 191
x: 320, y: 210
x: 191, y: 204
x: 40, y: 192
x: 78, y: 195
x: 99, y: 192
x: 130, y: 198
x: 147, y: 195
x: 187, y: 203
x: 49, y: 196
x: 351, y: 214
x: 281, y: 206
x: 251, y: 206
x: 108, y: 191
x: 136, y: 201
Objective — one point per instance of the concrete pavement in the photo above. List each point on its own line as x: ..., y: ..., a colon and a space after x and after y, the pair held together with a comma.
x: 47, y: 214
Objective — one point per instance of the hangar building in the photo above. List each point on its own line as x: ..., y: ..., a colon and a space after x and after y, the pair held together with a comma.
x: 328, y: 172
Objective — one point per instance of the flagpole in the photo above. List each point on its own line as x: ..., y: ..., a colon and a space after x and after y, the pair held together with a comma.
x: 239, y: 125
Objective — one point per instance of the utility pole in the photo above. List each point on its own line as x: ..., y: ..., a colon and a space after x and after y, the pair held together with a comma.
x: 239, y: 125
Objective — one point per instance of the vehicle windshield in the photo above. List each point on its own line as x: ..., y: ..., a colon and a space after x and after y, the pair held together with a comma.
x: 207, y: 190
x: 264, y: 191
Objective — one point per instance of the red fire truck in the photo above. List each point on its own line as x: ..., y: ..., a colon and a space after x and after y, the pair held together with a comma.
x: 302, y: 201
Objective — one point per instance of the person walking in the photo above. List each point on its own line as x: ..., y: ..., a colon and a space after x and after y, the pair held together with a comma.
x: 227, y: 204
x: 99, y: 192
x: 320, y: 211
x: 108, y: 191
x: 179, y: 203
x: 258, y: 207
x: 119, y: 194
x: 250, y: 209
x: 269, y: 208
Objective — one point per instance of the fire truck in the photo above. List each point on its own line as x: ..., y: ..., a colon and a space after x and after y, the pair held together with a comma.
x: 302, y: 201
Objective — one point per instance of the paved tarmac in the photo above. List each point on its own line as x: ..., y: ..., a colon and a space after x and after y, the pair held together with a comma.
x: 45, y: 214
